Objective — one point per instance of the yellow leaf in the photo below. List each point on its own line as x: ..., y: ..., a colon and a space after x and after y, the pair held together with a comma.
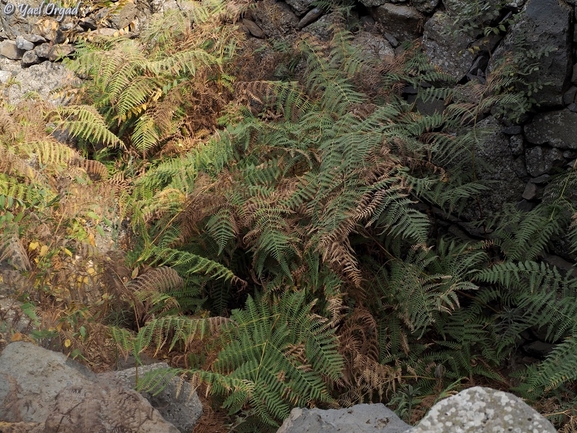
x: 33, y: 246
x: 67, y: 343
x: 91, y: 271
x: 17, y: 337
x: 91, y: 239
x: 43, y: 250
x: 68, y: 252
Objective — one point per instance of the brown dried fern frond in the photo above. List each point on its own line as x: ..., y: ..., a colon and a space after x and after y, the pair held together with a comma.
x: 160, y: 279
x: 95, y: 169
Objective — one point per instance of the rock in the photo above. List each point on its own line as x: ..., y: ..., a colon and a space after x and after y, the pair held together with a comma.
x: 43, y: 50
x: 569, y: 95
x: 310, y: 17
x: 10, y: 50
x: 253, y: 29
x: 275, y: 19
x: 450, y: 54
x: 30, y: 58
x: 374, y: 418
x: 23, y: 366
x: 96, y: 407
x: 41, y: 386
x: 24, y: 44
x: 541, y: 179
x: 512, y: 130
x: 124, y: 16
x: 58, y: 52
x: 530, y: 191
x: 323, y: 28
x: 483, y: 410
x: 374, y: 46
x: 574, y: 74
x: 562, y: 264
x: 517, y: 145
x: 177, y: 403
x: 502, y: 171
x: 425, y: 6
x: 403, y: 22
x: 42, y: 79
x: 556, y: 128
x: 543, y: 24
x: 5, y: 76
x: 373, y: 3
x: 300, y: 6
x: 541, y: 160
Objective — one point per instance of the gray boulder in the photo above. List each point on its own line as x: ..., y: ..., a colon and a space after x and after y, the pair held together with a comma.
x: 450, y: 54
x: 178, y: 403
x: 483, y: 410
x: 541, y: 160
x: 362, y: 418
x: 543, y: 24
x: 556, y: 128
x: 42, y: 79
x: 402, y: 22
x: 38, y: 386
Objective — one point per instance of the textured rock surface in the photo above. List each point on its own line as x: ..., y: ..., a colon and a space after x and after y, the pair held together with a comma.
x: 30, y: 379
x: 403, y: 22
x: 542, y: 160
x: 300, y: 6
x: 275, y: 19
x: 41, y: 79
x: 556, y: 128
x: 501, y: 168
x: 44, y: 387
x: 177, y: 403
x: 483, y: 410
x: 450, y: 54
x: 545, y: 24
x: 362, y: 418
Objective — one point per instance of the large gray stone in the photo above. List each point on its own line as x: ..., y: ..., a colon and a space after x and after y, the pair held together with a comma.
x: 555, y: 128
x: 425, y: 6
x: 10, y: 50
x: 41, y: 79
x: 44, y: 387
x: 374, y: 46
x: 362, y: 418
x: 483, y: 410
x: 450, y: 54
x: 30, y: 379
x: 178, y: 403
x: 541, y: 160
x: 543, y: 24
x: 405, y: 23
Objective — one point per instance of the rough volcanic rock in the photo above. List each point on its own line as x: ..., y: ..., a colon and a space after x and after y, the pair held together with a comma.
x: 555, y: 128
x: 405, y: 23
x: 177, y: 402
x: 362, y: 418
x: 450, y: 54
x: 483, y: 410
x: 543, y: 24
x: 45, y: 387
